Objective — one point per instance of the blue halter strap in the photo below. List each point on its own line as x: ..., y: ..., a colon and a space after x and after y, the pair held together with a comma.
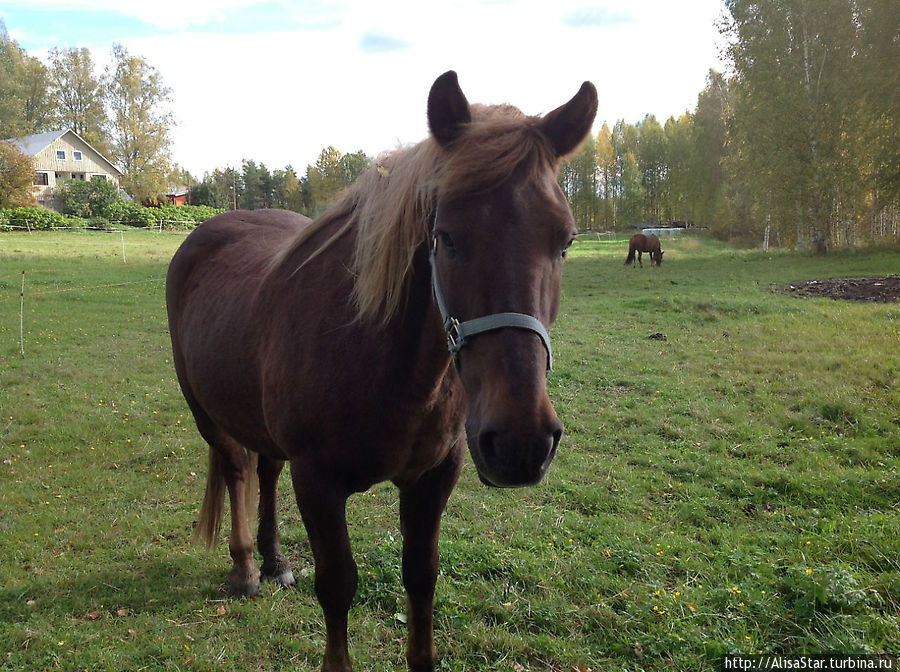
x: 459, y: 333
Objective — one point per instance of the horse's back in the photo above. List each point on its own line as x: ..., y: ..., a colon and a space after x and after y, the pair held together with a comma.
x: 644, y: 242
x: 211, y: 288
x: 246, y: 237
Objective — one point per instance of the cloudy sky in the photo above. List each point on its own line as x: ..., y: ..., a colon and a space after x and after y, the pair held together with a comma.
x: 278, y: 80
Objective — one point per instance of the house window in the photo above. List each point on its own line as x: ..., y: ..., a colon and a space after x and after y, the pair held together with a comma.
x: 99, y: 178
x: 41, y: 179
x: 76, y: 155
x: 61, y: 154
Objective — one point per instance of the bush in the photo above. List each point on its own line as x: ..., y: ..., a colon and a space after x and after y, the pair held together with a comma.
x: 87, y: 198
x: 32, y: 218
x: 182, y: 215
x: 133, y: 214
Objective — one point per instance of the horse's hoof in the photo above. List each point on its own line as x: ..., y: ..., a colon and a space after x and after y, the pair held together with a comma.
x: 243, y: 583
x: 283, y: 578
x: 243, y: 590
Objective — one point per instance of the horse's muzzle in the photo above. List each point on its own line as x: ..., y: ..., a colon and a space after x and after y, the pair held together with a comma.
x: 510, y: 460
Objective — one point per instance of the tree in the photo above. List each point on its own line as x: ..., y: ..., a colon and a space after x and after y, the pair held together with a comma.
x: 879, y: 78
x: 87, y: 198
x: 578, y: 179
x: 23, y: 90
x: 258, y: 186
x: 606, y: 177
x: 16, y: 177
x: 354, y: 165
x: 293, y: 192
x: 325, y: 179
x: 795, y: 116
x: 219, y: 189
x: 139, y: 126
x: 677, y: 203
x: 651, y: 158
x: 78, y: 95
x: 707, y: 185
x: 634, y: 194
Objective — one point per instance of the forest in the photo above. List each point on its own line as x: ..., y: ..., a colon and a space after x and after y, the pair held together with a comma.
x: 795, y: 145
x: 798, y: 145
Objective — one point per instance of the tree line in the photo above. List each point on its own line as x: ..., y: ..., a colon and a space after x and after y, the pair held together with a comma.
x: 253, y: 186
x: 799, y: 145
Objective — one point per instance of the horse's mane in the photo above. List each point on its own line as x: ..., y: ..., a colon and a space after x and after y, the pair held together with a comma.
x: 389, y: 206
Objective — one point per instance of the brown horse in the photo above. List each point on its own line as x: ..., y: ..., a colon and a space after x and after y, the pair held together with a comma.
x: 325, y: 345
x: 644, y: 243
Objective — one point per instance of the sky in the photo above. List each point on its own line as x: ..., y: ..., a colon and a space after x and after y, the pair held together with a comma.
x: 276, y: 81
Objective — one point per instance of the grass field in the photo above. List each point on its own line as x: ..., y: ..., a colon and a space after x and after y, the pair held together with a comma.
x: 732, y: 488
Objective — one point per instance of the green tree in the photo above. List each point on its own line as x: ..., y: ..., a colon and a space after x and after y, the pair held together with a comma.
x: 795, y: 115
x: 87, y: 198
x: 677, y: 200
x: 219, y: 189
x: 878, y: 76
x: 578, y: 179
x: 23, y: 90
x: 258, y: 186
x: 293, y: 192
x: 325, y: 179
x: 16, y: 177
x: 606, y: 178
x: 78, y: 95
x: 140, y: 120
x: 707, y: 184
x: 651, y: 158
x: 354, y: 165
x: 634, y: 195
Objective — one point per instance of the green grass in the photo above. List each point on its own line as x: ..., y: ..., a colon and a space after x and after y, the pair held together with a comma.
x: 732, y: 488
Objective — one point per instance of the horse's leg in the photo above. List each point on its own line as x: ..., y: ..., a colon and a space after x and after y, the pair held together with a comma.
x: 421, y: 506
x: 639, y: 258
x: 323, y: 507
x: 275, y: 566
x: 238, y: 469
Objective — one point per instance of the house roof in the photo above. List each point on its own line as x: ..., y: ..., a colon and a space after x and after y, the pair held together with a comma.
x: 34, y: 144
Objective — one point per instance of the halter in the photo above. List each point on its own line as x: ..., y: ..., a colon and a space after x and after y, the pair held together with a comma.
x: 459, y: 333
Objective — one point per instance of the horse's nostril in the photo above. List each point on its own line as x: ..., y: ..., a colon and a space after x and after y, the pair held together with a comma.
x: 487, y: 442
x: 557, y: 437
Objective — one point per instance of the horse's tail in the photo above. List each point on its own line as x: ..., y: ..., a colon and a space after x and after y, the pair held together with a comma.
x: 209, y: 525
x: 630, y: 258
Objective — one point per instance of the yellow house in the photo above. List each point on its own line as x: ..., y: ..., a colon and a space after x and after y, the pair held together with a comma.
x: 63, y: 155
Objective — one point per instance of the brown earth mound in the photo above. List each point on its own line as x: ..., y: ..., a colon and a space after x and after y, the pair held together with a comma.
x: 881, y: 289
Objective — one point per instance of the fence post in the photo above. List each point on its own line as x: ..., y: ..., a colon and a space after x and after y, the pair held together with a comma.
x: 22, y: 316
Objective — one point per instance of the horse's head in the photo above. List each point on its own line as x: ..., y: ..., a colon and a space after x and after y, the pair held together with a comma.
x: 501, y: 232
x: 659, y: 257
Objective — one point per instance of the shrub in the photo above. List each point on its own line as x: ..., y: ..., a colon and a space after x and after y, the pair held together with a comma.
x: 182, y: 215
x: 87, y: 198
x: 130, y: 213
x: 32, y: 218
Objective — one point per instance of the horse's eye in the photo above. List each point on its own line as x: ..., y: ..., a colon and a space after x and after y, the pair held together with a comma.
x: 447, y: 243
x: 565, y: 250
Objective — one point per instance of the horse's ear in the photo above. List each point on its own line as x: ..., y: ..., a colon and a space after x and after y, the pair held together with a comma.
x: 568, y: 125
x: 448, y: 109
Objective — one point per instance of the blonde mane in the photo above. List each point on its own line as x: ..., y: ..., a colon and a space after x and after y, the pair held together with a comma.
x: 389, y: 205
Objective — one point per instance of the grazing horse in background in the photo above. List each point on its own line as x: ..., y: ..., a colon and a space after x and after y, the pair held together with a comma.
x: 644, y: 243
x: 378, y: 341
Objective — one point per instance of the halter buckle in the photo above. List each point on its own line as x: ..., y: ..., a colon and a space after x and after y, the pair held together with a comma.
x: 455, y: 340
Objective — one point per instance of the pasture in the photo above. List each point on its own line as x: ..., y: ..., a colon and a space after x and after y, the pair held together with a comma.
x: 730, y: 486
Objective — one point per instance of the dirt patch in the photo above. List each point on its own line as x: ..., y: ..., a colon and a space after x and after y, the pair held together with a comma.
x: 881, y: 289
